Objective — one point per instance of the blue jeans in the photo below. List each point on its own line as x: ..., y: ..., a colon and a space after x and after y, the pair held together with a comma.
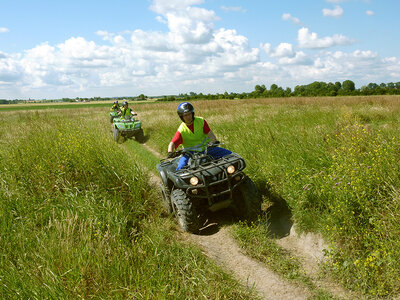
x: 216, y: 152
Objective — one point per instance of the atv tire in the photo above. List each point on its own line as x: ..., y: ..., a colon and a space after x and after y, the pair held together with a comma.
x: 166, y: 198
x: 184, y: 211
x: 247, y: 200
x: 117, y: 135
x: 140, y: 136
x: 112, y: 119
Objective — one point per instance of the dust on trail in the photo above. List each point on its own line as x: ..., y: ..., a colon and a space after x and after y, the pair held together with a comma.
x: 218, y: 245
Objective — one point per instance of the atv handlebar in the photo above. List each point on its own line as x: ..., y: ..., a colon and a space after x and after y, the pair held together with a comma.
x: 189, y: 151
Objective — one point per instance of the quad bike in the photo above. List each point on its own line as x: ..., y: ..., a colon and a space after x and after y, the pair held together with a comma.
x: 206, y: 184
x: 113, y: 115
x: 127, y: 127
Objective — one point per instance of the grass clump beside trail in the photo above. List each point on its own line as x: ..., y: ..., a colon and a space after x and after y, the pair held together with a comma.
x: 356, y: 200
x: 78, y: 219
x: 333, y: 161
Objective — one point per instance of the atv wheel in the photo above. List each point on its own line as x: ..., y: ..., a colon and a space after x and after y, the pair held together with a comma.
x: 140, y: 135
x: 117, y: 135
x: 184, y: 211
x: 247, y: 200
x: 166, y: 198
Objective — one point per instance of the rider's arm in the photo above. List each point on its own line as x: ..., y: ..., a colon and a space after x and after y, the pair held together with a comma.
x: 175, y: 142
x: 171, y: 147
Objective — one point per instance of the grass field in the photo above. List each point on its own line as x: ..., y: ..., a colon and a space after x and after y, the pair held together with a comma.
x: 333, y: 161
x: 78, y: 219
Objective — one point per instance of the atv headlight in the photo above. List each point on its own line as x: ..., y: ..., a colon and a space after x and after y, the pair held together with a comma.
x: 231, y: 169
x: 194, y: 180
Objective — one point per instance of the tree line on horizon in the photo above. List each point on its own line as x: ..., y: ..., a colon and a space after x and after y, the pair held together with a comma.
x: 315, y: 89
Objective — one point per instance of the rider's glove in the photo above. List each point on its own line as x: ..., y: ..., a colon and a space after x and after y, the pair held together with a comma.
x: 170, y: 154
x: 217, y: 142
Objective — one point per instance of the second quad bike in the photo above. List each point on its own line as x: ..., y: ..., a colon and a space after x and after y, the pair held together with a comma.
x: 126, y: 128
x: 113, y: 115
x: 206, y: 184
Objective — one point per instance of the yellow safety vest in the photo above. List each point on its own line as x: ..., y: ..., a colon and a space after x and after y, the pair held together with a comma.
x: 126, y: 112
x: 189, y: 138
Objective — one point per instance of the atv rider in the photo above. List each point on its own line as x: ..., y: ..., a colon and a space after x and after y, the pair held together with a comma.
x: 193, y: 131
x: 126, y: 112
x: 115, y: 106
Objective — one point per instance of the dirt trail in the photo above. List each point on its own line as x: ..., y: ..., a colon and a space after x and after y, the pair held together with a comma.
x: 217, y: 244
x: 224, y: 250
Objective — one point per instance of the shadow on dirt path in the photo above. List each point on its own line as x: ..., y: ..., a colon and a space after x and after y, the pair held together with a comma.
x: 278, y: 213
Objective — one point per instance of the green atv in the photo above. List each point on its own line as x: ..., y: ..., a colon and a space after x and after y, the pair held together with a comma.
x: 113, y: 114
x: 126, y: 128
x: 206, y: 184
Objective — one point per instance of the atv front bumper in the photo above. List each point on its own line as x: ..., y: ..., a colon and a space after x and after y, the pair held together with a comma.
x: 215, y: 184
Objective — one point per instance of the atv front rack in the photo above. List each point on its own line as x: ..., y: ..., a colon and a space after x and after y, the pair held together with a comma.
x: 215, y: 183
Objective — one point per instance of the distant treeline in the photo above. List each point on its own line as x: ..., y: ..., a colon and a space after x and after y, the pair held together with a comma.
x: 315, y: 89
x: 77, y: 99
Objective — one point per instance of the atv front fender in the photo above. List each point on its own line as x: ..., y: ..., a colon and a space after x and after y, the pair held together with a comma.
x: 163, y: 175
x: 164, y: 178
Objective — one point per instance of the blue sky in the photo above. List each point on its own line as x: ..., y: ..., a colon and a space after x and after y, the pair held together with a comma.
x: 56, y: 49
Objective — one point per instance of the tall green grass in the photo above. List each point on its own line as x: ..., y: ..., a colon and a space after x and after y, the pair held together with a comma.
x: 333, y: 161
x: 78, y: 219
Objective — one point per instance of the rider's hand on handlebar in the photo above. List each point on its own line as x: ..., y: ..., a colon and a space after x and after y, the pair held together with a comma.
x: 171, y: 154
x: 213, y: 144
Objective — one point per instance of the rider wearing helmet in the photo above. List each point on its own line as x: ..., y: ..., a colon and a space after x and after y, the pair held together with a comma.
x: 125, y: 110
x: 115, y: 106
x: 193, y: 131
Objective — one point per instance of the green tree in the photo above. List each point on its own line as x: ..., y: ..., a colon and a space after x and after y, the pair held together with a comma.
x: 142, y: 97
x: 348, y: 86
x: 259, y: 89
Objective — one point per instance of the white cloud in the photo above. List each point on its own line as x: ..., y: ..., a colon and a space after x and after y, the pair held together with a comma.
x: 311, y: 40
x: 163, y: 6
x: 4, y: 30
x: 233, y: 8
x: 286, y: 55
x: 191, y: 51
x: 10, y: 71
x: 336, y: 12
x: 300, y: 58
x: 154, y: 41
x: 289, y: 17
x: 191, y: 55
x: 266, y: 47
x: 369, y: 12
x: 283, y: 50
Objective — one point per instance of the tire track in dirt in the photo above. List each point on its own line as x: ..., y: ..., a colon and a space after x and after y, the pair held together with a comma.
x: 222, y: 248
